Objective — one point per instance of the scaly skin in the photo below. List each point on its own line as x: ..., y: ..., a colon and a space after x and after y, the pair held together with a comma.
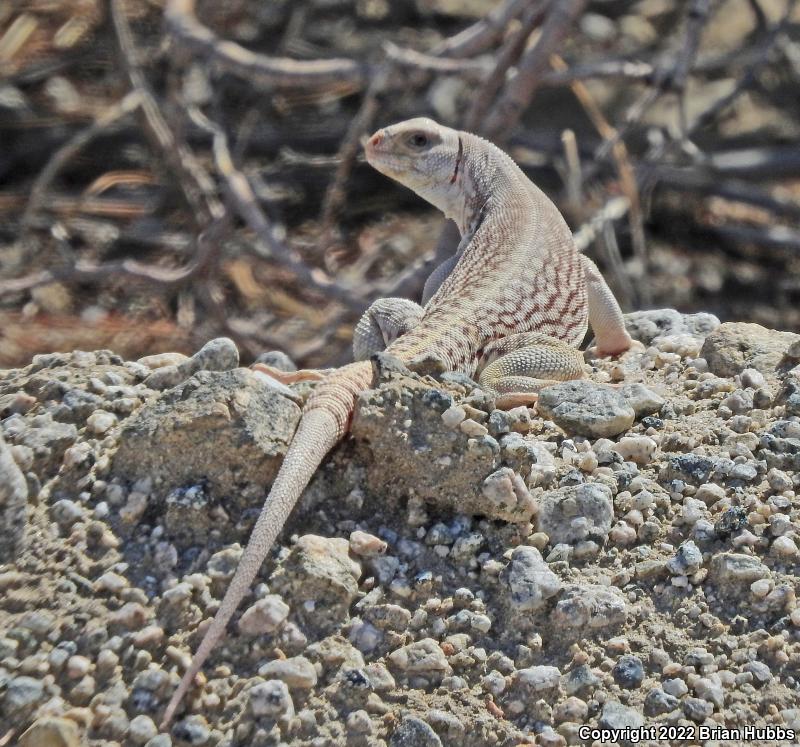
x: 512, y: 309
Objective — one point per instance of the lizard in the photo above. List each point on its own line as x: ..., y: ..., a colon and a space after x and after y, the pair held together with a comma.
x: 511, y: 307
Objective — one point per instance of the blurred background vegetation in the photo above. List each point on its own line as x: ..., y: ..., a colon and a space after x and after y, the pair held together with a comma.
x: 172, y: 171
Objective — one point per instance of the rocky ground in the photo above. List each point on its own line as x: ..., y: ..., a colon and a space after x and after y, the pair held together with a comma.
x: 454, y: 575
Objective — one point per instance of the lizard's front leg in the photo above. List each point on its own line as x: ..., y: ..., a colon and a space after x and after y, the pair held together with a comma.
x: 437, y: 277
x: 382, y: 323
x: 517, y: 367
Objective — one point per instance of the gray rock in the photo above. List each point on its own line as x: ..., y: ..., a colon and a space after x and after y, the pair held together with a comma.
x: 51, y: 731
x: 264, y: 616
x: 193, y: 730
x: 628, y: 672
x: 277, y: 359
x: 648, y: 327
x: 421, y: 657
x: 142, y: 729
x: 687, y: 560
x: 586, y: 408
x: 658, y: 702
x: 733, y: 573
x: 400, y: 436
x: 644, y: 401
x: 581, y: 680
x: 414, y: 732
x: 590, y: 606
x: 697, y: 709
x: 575, y: 513
x: 66, y: 512
x: 296, y: 671
x: 760, y: 671
x: 529, y: 580
x: 13, y: 505
x: 736, y: 346
x: 694, y: 469
x: 539, y: 679
x: 220, y: 354
x: 271, y: 699
x: 447, y: 725
x: 789, y: 396
x: 225, y: 429
x: 23, y: 694
x: 321, y: 579
x: 617, y: 716
x: 710, y: 690
x: 48, y: 440
x: 508, y: 495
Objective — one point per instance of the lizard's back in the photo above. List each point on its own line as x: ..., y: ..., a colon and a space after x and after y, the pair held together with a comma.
x: 487, y: 297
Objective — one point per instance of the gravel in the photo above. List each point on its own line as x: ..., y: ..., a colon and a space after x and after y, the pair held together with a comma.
x: 454, y: 574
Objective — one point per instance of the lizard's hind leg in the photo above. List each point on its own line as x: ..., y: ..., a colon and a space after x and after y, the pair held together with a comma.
x: 382, y: 323
x: 605, y: 315
x: 522, y: 364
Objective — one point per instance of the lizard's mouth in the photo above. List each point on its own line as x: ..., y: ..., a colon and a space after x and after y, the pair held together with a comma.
x: 387, y: 163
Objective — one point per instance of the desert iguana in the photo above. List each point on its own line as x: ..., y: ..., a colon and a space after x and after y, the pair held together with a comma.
x: 510, y: 307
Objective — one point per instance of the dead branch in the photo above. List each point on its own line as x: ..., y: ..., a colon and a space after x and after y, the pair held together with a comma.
x: 268, y: 243
x: 516, y: 96
x: 627, y: 178
x: 336, y: 193
x: 468, y: 69
x: 507, y: 56
x: 259, y: 69
x: 207, y: 245
x: 70, y: 149
x: 481, y: 35
x: 193, y: 180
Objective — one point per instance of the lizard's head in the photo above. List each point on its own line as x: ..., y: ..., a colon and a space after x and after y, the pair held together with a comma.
x: 422, y: 155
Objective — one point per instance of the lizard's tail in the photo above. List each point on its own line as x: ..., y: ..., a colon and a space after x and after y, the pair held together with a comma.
x: 325, y: 421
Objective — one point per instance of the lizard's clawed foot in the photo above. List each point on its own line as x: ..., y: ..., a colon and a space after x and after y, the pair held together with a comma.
x: 632, y: 346
x: 290, y: 377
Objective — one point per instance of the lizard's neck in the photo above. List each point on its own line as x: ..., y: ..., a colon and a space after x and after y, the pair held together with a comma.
x: 485, y: 180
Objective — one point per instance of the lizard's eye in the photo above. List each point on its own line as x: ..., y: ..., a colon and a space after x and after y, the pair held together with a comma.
x: 418, y: 140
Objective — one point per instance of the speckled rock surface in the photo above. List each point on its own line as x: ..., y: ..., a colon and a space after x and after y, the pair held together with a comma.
x: 653, y: 325
x: 735, y: 346
x: 454, y: 574
x: 224, y: 431
x: 13, y: 504
x: 585, y: 408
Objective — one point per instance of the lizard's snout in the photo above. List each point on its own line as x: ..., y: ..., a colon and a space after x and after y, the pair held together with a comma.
x: 374, y: 143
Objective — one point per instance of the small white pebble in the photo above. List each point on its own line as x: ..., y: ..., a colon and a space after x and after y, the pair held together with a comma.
x: 265, y: 616
x: 752, y: 378
x: 637, y: 449
x: 367, y: 545
x: 111, y: 582
x: 710, y: 493
x: 622, y: 534
x: 100, y: 422
x: 761, y: 588
x: 134, y: 508
x: 784, y: 547
x: 453, y: 416
x: 78, y: 666
x: 141, y: 729
x: 472, y: 428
